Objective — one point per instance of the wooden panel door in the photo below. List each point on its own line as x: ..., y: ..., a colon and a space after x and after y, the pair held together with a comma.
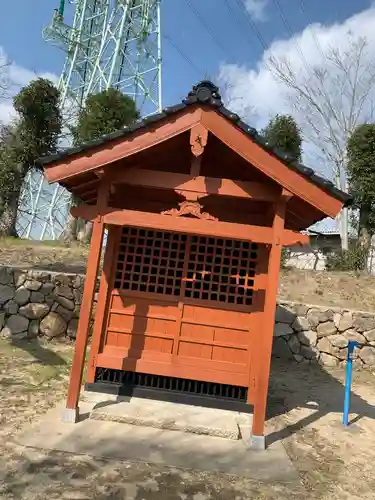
x: 180, y: 306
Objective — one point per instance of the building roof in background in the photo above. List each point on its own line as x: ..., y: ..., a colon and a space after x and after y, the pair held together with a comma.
x: 206, y: 93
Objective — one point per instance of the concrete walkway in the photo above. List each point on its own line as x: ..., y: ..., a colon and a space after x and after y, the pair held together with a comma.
x: 180, y: 448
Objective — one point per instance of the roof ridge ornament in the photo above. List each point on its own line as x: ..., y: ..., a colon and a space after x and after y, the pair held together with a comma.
x: 205, y: 92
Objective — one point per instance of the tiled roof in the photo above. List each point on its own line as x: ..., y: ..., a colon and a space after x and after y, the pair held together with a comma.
x: 205, y: 92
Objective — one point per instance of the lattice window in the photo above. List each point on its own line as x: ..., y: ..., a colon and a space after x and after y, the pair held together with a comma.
x: 210, y: 268
x: 150, y: 261
x: 221, y: 270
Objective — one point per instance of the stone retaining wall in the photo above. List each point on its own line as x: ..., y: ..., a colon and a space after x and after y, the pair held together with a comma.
x: 36, y: 303
x: 39, y: 303
x: 314, y: 333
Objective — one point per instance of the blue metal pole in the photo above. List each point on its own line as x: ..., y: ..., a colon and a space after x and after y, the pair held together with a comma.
x: 348, y: 381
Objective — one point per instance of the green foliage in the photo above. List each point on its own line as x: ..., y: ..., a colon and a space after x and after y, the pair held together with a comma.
x: 35, y: 133
x: 353, y: 259
x: 283, y: 133
x: 40, y: 121
x: 361, y: 173
x: 103, y: 113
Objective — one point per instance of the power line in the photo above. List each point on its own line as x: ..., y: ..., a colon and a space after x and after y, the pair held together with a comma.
x: 288, y: 27
x: 231, y: 10
x: 208, y: 29
x: 315, y: 38
x: 183, y: 55
x: 253, y: 25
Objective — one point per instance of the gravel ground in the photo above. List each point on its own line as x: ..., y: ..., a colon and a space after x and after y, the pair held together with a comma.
x: 304, y: 412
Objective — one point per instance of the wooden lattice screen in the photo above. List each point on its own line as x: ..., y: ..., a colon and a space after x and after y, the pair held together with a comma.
x: 195, y: 267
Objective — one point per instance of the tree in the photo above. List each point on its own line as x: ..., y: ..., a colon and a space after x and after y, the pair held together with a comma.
x: 283, y: 133
x: 361, y: 176
x: 34, y: 134
x: 103, y: 113
x: 329, y: 101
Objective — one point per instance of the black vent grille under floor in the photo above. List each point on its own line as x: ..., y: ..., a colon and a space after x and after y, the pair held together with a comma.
x: 179, y: 390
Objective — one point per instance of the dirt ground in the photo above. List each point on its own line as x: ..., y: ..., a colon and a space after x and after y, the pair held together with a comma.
x: 335, y: 289
x: 305, y: 405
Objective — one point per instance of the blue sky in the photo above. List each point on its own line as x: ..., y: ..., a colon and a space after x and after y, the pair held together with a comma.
x: 229, y: 41
x: 21, y: 23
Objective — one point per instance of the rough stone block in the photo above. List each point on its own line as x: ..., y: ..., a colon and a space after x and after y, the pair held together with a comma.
x: 343, y: 321
x: 280, y: 349
x: 370, y: 335
x: 64, y: 291
x: 11, y: 307
x: 34, y: 310
x: 328, y: 360
x: 338, y: 340
x: 326, y: 329
x: 19, y: 278
x: 6, y: 293
x: 6, y: 276
x: 364, y: 322
x: 17, y: 324
x: 64, y: 313
x: 2, y: 319
x: 308, y: 338
x: 47, y: 288
x: 22, y: 296
x: 367, y: 355
x: 33, y: 285
x: 72, y: 328
x: 309, y: 352
x: 356, y: 336
x: 37, y: 297
x: 284, y: 315
x: 324, y: 345
x: 282, y: 329
x: 33, y: 330
x: 294, y: 344
x: 53, y: 325
x: 67, y: 303
x: 300, y: 324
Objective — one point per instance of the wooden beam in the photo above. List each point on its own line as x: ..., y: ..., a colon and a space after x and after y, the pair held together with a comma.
x: 103, y: 300
x: 86, y: 307
x: 265, y: 340
x: 200, y: 185
x: 115, y: 150
x: 257, y: 234
x: 296, y: 183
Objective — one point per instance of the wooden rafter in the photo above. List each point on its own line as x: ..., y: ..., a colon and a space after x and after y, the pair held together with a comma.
x: 296, y: 183
x: 115, y: 150
x: 201, y: 186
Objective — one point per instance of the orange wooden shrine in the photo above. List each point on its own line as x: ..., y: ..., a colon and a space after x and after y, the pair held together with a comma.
x: 197, y: 209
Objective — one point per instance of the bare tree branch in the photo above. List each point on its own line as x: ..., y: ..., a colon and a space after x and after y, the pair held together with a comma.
x: 329, y: 101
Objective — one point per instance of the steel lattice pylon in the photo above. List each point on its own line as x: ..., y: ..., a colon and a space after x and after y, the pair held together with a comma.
x: 109, y: 43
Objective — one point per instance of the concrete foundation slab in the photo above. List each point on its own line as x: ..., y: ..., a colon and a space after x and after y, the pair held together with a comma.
x: 171, y: 416
x: 121, y: 441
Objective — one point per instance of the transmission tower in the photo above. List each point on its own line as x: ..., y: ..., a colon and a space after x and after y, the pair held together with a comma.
x: 109, y: 43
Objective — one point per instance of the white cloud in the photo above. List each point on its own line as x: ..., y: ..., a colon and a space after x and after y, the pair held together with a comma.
x: 256, y: 95
x: 256, y: 9
x: 13, y: 78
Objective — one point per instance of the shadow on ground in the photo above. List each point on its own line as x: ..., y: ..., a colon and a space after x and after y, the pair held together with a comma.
x: 40, y: 352
x: 310, y: 386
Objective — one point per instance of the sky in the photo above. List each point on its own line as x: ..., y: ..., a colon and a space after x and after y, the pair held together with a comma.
x: 227, y: 41
x: 209, y: 36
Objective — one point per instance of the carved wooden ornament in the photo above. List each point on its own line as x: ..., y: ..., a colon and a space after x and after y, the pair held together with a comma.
x: 198, y: 139
x: 190, y: 208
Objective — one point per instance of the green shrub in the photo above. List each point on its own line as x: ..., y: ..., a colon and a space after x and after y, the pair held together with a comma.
x: 353, y: 259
